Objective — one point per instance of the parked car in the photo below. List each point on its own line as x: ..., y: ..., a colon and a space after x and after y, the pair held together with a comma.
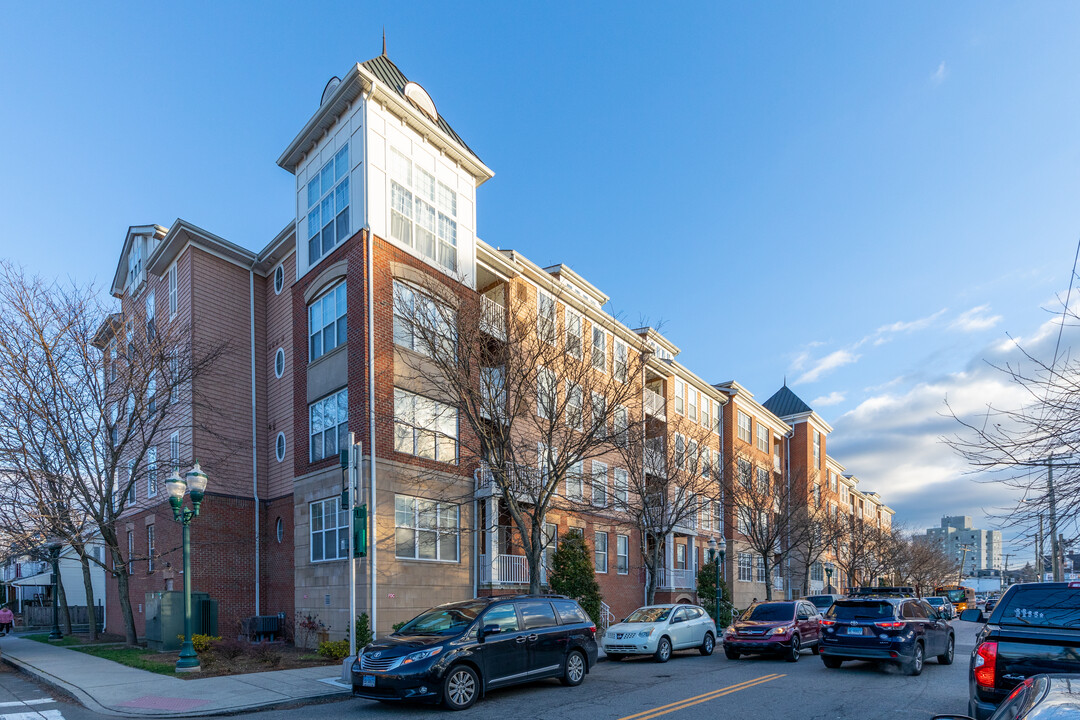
x: 991, y: 603
x: 1035, y: 628
x: 455, y: 653
x: 1042, y: 697
x: 658, y: 630
x: 899, y: 630
x: 822, y: 602
x: 943, y: 606
x: 778, y: 628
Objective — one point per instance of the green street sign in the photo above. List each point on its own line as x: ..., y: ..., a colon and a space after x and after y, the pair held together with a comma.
x: 359, y: 531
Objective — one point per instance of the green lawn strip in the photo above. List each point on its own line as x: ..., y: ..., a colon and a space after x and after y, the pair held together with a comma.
x: 133, y: 657
x: 66, y: 641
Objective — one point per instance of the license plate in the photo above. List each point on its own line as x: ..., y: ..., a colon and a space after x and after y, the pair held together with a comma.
x: 369, y: 681
x: 854, y: 631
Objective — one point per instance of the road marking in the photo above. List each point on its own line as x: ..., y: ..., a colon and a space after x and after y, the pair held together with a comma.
x: 697, y: 699
x: 20, y: 703
x: 41, y: 715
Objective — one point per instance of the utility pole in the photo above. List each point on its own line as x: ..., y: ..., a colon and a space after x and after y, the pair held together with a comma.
x: 1054, y: 541
x: 960, y: 575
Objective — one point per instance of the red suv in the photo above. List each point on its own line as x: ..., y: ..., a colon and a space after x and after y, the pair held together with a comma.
x: 780, y: 628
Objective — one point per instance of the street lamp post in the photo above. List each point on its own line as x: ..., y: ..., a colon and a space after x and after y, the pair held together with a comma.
x: 828, y: 575
x: 54, y: 545
x: 717, y: 558
x: 193, y: 484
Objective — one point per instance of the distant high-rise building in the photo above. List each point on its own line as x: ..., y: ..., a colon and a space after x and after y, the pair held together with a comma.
x: 984, y: 546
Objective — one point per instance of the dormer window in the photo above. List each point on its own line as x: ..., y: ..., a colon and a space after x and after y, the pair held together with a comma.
x: 328, y: 206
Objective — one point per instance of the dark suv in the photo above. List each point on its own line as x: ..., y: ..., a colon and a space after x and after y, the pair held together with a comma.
x: 899, y: 630
x: 455, y: 652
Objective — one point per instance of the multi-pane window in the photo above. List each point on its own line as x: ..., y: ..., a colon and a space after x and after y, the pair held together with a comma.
x: 131, y: 551
x: 151, y: 472
x: 328, y: 206
x: 599, y: 414
x: 680, y: 451
x: 173, y: 301
x: 151, y: 396
x: 718, y: 516
x: 420, y: 321
x: 619, y: 363
x: 150, y: 548
x: 326, y: 322
x: 742, y: 517
x: 680, y: 557
x: 744, y: 427
x: 692, y: 404
x: 132, y: 483
x: 760, y: 574
x: 745, y: 472
x: 545, y: 317
x: 817, y: 572
x: 600, y: 552
x: 621, y: 487
x: 575, y: 405
x: 621, y: 424
x: 599, y: 484
x: 546, y: 393
x: 426, y: 529
x: 424, y: 427
x: 680, y: 397
x: 706, y: 412
x: 746, y: 567
x: 575, y: 481
x: 817, y: 449
x: 423, y: 212
x: 599, y: 348
x: 832, y: 481
x: 762, y: 438
x: 328, y: 427
x: 329, y: 530
x: 174, y: 452
x: 151, y: 315
x: 692, y: 456
x: 574, y: 327
x: 622, y: 554
x: 817, y: 495
x: 706, y: 462
x: 763, y: 480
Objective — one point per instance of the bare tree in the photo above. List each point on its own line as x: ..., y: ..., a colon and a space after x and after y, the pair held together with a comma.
x: 88, y: 396
x: 770, y: 515
x: 520, y: 380
x: 672, y: 479
x: 921, y: 562
x: 856, y: 549
x: 820, y: 528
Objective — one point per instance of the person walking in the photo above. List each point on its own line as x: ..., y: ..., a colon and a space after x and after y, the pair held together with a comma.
x: 7, y: 620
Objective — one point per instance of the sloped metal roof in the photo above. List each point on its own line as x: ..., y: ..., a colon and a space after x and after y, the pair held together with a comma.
x: 386, y: 72
x: 785, y: 403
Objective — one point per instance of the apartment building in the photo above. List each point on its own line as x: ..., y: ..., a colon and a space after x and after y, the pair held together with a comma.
x: 979, y: 549
x: 385, y: 213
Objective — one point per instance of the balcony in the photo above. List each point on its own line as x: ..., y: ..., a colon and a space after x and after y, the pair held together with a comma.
x: 492, y: 318
x: 507, y: 570
x: 776, y: 463
x: 675, y: 579
x: 525, y: 483
x: 655, y: 405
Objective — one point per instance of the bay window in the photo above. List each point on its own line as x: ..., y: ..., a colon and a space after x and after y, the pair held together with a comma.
x: 328, y: 206
x: 426, y: 529
x: 423, y: 212
x: 328, y: 425
x: 327, y: 326
x: 424, y: 427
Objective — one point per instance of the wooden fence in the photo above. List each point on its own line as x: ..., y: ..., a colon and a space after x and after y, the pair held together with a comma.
x: 33, y: 616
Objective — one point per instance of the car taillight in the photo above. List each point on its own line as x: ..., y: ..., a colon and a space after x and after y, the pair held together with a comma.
x: 985, y: 664
x: 592, y: 629
x: 890, y: 625
x: 828, y: 623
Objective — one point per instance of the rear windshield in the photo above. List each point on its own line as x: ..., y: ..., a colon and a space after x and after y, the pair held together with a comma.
x: 935, y: 600
x: 1040, y: 605
x: 821, y: 600
x: 867, y: 610
x: 771, y: 612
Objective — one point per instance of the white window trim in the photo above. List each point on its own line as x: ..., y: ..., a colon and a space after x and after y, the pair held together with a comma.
x: 626, y: 555
x: 439, y: 531
x: 174, y: 290
x: 283, y: 444
x: 597, y: 330
x: 280, y: 353
x: 335, y: 503
x: 279, y: 270
x: 596, y: 551
x: 599, y: 480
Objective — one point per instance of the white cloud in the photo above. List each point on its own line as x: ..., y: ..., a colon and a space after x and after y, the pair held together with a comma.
x: 939, y: 75
x: 911, y: 325
x: 977, y: 318
x: 830, y: 362
x: 833, y: 398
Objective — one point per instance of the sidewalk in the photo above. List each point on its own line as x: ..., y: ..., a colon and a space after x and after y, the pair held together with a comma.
x: 110, y: 688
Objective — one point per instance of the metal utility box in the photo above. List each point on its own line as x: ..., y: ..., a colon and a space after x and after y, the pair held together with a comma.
x: 165, y: 618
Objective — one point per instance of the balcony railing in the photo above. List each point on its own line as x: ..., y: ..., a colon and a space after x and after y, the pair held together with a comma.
x: 525, y: 483
x: 508, y: 570
x: 492, y: 318
x: 676, y: 579
x: 654, y: 404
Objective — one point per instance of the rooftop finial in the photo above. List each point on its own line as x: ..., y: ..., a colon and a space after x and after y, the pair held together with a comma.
x: 384, y: 41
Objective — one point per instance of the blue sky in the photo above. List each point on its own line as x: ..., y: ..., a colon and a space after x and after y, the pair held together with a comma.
x: 858, y: 197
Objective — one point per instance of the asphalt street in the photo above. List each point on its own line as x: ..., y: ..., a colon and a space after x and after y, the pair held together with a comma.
x: 688, y: 687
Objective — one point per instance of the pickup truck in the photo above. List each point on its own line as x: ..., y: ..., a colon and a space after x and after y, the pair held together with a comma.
x: 1035, y: 628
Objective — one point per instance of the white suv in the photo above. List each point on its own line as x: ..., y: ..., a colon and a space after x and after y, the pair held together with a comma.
x: 658, y: 630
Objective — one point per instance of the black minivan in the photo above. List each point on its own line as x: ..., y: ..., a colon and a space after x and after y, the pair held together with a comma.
x: 455, y: 652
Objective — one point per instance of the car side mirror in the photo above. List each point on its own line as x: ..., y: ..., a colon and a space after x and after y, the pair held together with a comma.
x: 972, y: 615
x: 489, y: 630
x: 951, y: 717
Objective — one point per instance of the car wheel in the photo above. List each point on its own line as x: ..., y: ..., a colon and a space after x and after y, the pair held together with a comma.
x: 794, y: 652
x: 817, y: 648
x: 460, y: 688
x: 574, y: 669
x: 615, y: 657
x: 731, y: 654
x: 914, y: 666
x: 950, y: 651
x: 831, y: 662
x: 708, y: 644
x: 663, y: 650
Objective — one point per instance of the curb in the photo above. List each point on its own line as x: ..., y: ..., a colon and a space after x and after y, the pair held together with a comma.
x: 91, y: 704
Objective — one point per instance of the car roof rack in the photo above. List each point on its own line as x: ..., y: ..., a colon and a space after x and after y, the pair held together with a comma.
x: 890, y: 591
